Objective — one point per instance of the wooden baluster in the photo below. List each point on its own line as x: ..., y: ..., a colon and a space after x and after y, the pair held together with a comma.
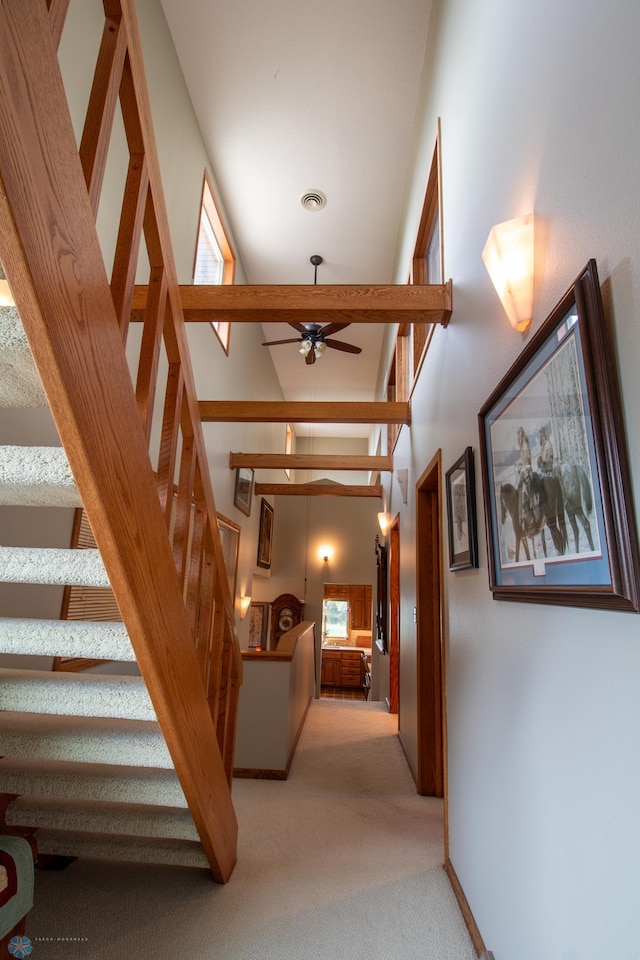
x: 184, y: 507
x: 57, y: 16
x: 98, y: 125
x: 150, y: 347
x: 193, y: 580
x: 129, y: 235
x: 169, y: 438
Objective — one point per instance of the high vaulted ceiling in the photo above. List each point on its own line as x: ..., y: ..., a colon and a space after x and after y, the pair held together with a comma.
x: 293, y: 96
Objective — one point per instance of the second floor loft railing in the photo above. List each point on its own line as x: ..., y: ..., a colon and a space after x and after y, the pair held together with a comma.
x: 76, y: 321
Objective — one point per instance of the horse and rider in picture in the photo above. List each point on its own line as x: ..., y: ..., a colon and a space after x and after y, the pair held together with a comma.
x: 544, y: 498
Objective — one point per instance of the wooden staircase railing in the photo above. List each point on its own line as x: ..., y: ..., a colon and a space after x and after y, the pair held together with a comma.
x: 174, y: 599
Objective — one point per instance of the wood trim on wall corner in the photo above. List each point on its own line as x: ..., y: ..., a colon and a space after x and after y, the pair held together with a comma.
x: 407, y: 756
x: 465, y: 909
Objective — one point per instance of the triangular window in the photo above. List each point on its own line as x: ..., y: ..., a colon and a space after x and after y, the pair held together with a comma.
x: 214, y: 260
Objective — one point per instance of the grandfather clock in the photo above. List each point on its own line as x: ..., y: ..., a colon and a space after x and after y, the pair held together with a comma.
x: 286, y: 612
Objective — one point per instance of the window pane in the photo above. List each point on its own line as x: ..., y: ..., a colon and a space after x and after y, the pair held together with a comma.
x: 335, y: 618
x: 433, y: 261
x: 209, y: 260
x: 214, y: 261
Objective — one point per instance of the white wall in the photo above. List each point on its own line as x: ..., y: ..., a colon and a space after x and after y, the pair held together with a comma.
x: 540, y: 110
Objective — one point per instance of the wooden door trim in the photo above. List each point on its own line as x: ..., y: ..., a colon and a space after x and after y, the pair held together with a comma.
x: 429, y: 631
x: 394, y: 614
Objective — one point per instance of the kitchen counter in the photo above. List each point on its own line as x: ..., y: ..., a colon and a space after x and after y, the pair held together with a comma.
x: 345, y: 646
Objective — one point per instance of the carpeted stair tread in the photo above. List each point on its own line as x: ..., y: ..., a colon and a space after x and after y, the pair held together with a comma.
x: 89, y: 782
x: 75, y: 694
x: 131, y: 849
x: 49, y: 565
x: 83, y: 740
x: 36, y: 477
x: 98, y: 640
x: 90, y: 770
x: 134, y: 819
x: 20, y: 384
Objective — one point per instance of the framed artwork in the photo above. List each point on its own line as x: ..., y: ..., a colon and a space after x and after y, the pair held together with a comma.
x: 382, y: 607
x: 244, y: 489
x: 560, y: 522
x: 230, y: 540
x: 265, y: 534
x: 258, y: 625
x: 461, y: 508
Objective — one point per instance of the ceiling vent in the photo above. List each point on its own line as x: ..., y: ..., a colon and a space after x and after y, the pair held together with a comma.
x: 313, y: 200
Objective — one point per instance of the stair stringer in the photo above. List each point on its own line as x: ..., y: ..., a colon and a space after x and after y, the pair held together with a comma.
x: 51, y: 253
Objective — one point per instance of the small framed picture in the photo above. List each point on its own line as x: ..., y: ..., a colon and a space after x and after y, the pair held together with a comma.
x: 265, y: 534
x: 461, y: 507
x: 244, y: 489
x: 258, y: 625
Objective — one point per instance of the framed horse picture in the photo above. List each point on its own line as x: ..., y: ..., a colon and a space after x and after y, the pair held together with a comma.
x: 559, y: 514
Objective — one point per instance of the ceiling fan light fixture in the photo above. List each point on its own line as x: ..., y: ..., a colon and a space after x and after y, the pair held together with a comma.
x: 313, y: 200
x: 320, y: 348
x: 305, y: 348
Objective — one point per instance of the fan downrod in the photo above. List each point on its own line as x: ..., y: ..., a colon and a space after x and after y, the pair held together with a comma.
x: 316, y: 260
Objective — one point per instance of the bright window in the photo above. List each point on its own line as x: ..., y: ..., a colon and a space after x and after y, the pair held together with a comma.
x: 428, y: 261
x: 335, y: 615
x: 214, y: 260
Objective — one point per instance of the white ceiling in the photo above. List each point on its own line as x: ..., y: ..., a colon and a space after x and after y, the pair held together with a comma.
x: 294, y: 96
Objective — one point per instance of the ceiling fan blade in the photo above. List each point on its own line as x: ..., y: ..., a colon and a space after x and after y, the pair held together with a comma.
x: 300, y: 327
x: 345, y: 347
x: 332, y: 328
x: 310, y: 357
x: 274, y: 343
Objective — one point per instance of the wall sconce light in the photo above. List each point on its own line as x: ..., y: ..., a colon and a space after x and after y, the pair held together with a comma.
x: 326, y: 553
x: 245, y: 603
x: 402, y: 476
x: 508, y: 257
x: 384, y: 522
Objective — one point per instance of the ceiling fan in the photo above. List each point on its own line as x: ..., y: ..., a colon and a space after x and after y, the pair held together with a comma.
x: 313, y: 337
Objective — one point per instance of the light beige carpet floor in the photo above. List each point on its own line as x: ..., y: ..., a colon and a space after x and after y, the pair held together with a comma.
x: 342, y: 860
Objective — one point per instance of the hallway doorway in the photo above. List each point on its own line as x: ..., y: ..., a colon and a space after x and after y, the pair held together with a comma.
x: 431, y: 773
x: 346, y: 641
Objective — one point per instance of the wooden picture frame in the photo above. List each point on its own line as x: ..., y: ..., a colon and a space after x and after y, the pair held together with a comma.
x: 461, y: 509
x: 243, y: 490
x: 230, y: 541
x: 382, y: 600
x: 265, y: 535
x: 258, y: 626
x: 559, y: 515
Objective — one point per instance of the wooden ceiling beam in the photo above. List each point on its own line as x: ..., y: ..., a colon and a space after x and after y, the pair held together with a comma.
x: 309, y: 461
x: 310, y: 303
x: 318, y: 490
x: 283, y: 411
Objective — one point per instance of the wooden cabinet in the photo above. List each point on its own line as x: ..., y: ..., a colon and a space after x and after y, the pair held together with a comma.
x: 359, y: 597
x: 360, y: 606
x: 337, y: 591
x: 342, y: 668
x: 351, y: 672
x: 331, y: 668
